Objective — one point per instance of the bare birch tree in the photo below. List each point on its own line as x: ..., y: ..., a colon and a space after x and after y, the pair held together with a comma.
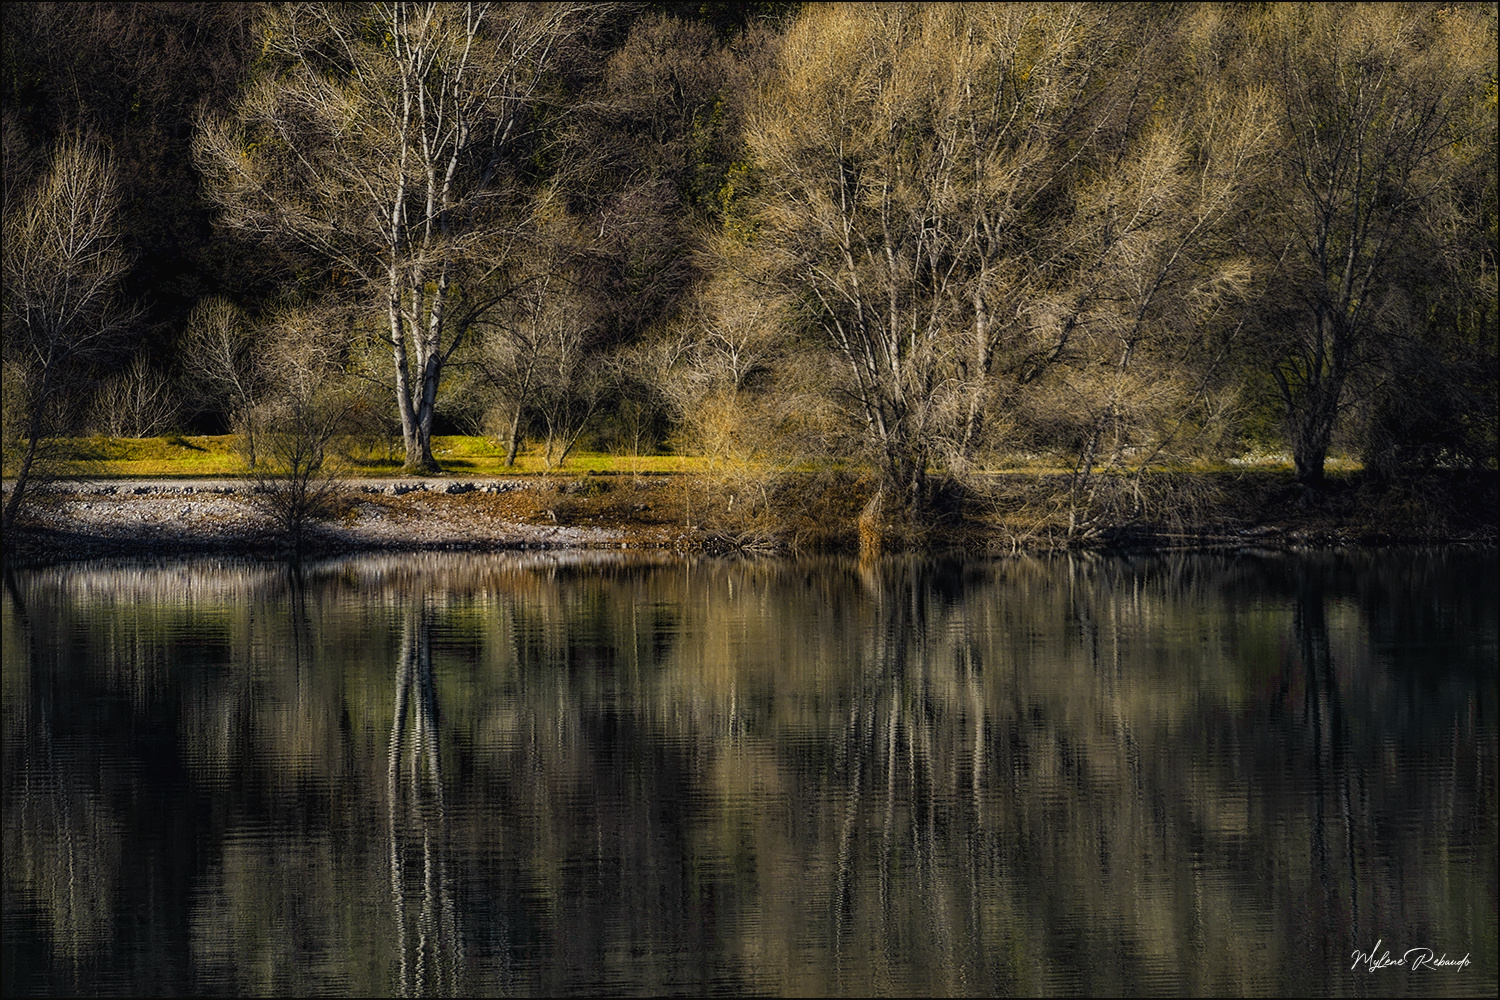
x: 384, y: 138
x: 63, y: 264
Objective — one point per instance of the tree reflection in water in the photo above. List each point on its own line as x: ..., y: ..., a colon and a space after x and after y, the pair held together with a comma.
x: 560, y: 773
x: 428, y: 943
x: 59, y: 832
x: 1327, y: 733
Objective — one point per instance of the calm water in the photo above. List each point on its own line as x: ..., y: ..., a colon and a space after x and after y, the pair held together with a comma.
x: 560, y: 773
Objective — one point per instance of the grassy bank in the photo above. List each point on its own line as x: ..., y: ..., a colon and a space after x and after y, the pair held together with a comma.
x: 178, y: 457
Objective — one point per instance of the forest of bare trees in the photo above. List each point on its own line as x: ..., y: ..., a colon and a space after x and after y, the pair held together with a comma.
x: 918, y: 239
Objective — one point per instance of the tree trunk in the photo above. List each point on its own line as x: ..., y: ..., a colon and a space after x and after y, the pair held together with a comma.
x: 1312, y: 430
x: 872, y: 528
x: 416, y: 422
x: 18, y: 491
x: 409, y: 433
x: 514, y: 444
x: 426, y: 409
x: 1310, y: 450
x: 34, y: 427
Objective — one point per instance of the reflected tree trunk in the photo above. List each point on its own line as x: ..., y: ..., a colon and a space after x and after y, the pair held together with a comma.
x: 430, y: 947
x: 1325, y: 716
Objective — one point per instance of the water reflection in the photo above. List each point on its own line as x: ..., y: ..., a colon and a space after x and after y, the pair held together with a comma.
x: 428, y: 943
x: 570, y: 773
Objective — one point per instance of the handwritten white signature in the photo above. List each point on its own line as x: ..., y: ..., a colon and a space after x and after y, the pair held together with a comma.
x: 1413, y: 960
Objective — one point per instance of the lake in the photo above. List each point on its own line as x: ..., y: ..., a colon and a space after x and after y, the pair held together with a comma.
x: 549, y: 772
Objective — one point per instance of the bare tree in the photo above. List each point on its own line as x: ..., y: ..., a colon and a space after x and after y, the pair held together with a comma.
x: 383, y: 139
x: 63, y: 264
x: 538, y: 363
x: 1378, y: 105
x: 296, y: 478
x: 297, y: 481
x: 532, y: 340
x: 137, y: 402
x: 540, y: 353
x: 916, y: 161
x: 509, y: 364
x: 227, y: 367
x: 712, y: 368
x: 1158, y: 270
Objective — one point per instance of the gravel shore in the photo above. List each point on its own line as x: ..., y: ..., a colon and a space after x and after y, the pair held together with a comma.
x: 86, y: 519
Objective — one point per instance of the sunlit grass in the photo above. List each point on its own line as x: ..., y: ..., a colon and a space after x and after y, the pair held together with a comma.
x: 461, y: 455
x: 178, y: 456
x: 150, y: 458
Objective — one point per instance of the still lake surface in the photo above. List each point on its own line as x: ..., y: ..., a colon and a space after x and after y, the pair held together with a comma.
x: 572, y: 773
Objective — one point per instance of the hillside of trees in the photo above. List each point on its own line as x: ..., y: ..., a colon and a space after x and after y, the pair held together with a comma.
x: 924, y: 241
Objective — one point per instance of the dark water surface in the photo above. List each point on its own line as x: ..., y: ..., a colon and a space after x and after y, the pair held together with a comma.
x: 554, y: 773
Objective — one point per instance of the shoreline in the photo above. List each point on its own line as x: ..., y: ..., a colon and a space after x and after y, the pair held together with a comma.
x: 85, y: 520
x: 78, y: 520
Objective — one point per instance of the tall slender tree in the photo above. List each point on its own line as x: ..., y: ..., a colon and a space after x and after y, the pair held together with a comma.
x: 387, y: 140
